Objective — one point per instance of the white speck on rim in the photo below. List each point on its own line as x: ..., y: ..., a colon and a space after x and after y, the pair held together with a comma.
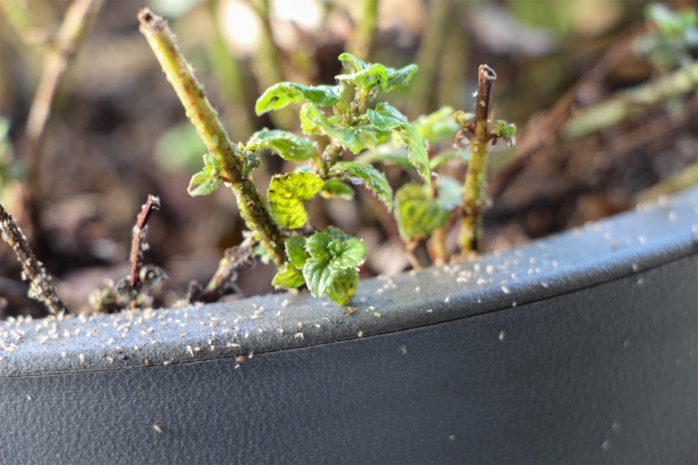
x: 502, y: 335
x: 606, y: 445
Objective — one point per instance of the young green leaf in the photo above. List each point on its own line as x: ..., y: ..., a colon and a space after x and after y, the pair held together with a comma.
x: 287, y: 145
x: 505, y: 131
x: 207, y: 180
x: 376, y: 75
x: 347, y: 252
x: 250, y: 160
x: 316, y: 246
x: 352, y: 63
x: 202, y: 184
x: 286, y: 195
x: 367, y: 175
x: 463, y: 118
x: 319, y: 275
x: 399, y: 77
x: 331, y: 268
x: 334, y: 188
x: 284, y: 93
x: 288, y: 277
x: 313, y: 121
x: 295, y: 250
x: 417, y: 213
x: 344, y: 286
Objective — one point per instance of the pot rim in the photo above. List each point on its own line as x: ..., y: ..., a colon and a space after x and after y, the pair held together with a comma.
x: 647, y: 237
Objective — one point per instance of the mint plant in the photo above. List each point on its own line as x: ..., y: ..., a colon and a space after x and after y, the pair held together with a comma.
x: 346, y: 120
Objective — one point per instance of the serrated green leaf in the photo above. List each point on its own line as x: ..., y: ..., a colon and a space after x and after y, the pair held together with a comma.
x: 288, y: 277
x: 386, y: 117
x: 334, y: 188
x: 399, y: 77
x: 343, y: 287
x: 316, y: 246
x: 367, y: 175
x: 373, y: 76
x: 284, y: 93
x: 295, y: 250
x: 313, y: 121
x: 286, y: 195
x: 418, y: 155
x: 348, y: 252
x: 338, y: 249
x: 287, y: 145
x: 331, y: 269
x: 417, y: 213
x: 319, y: 276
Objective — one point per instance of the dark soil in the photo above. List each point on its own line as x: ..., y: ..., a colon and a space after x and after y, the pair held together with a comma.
x: 98, y: 164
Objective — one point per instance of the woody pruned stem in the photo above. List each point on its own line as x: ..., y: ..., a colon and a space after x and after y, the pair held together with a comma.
x: 230, y: 157
x: 138, y: 243
x: 40, y: 283
x: 474, y: 191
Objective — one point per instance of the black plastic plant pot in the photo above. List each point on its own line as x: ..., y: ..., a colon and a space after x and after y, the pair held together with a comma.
x: 581, y: 348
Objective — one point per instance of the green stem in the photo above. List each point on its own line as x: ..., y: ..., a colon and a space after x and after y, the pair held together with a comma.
x: 253, y: 206
x: 363, y: 42
x: 474, y: 190
x: 631, y: 102
x: 78, y: 19
x: 429, y: 56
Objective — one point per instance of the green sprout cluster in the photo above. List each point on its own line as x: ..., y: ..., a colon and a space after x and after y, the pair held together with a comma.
x: 349, y: 121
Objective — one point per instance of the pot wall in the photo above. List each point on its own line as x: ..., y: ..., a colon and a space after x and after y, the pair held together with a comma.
x: 578, y: 348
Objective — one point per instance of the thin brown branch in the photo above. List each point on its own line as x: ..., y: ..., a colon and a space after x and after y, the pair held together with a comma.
x: 40, y: 283
x: 138, y: 243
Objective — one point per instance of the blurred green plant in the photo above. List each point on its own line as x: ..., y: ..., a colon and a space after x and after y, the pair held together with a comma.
x: 10, y: 169
x: 674, y: 35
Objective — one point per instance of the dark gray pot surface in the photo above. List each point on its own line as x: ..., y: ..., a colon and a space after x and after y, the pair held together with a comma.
x: 581, y: 348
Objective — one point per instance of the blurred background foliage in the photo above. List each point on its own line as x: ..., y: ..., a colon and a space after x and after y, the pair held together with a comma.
x: 116, y: 131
